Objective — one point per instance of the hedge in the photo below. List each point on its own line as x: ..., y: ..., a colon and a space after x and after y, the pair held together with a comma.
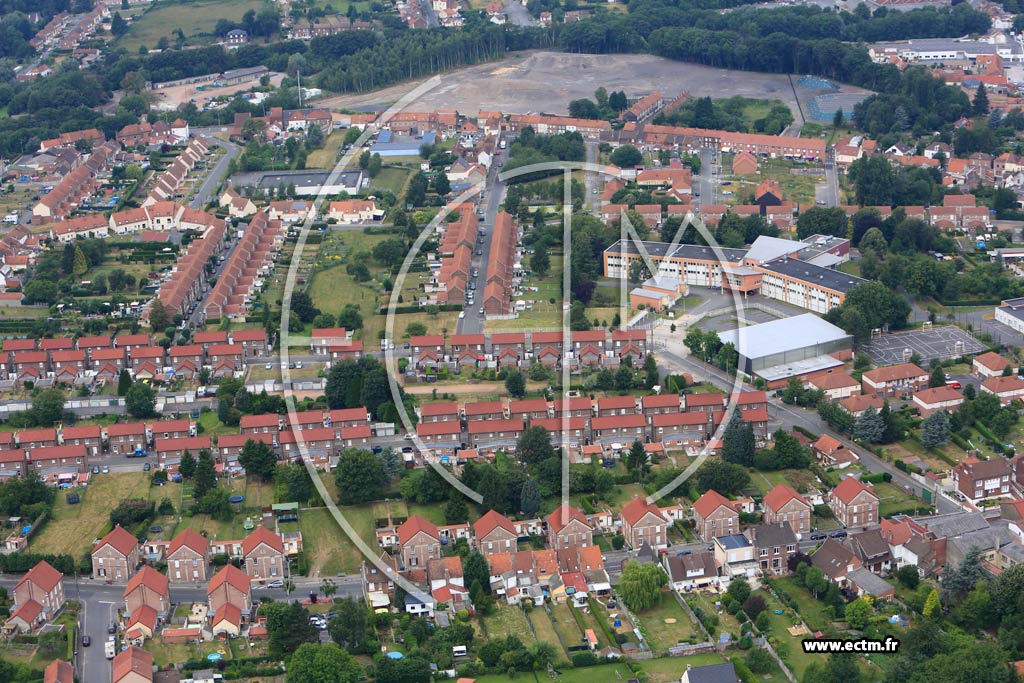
x: 806, y: 432
x: 384, y: 310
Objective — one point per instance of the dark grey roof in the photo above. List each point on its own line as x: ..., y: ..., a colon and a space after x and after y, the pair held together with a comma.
x: 870, y: 545
x: 869, y: 583
x: 806, y: 272
x: 691, y: 251
x: 680, y: 568
x: 955, y: 524
x: 832, y: 558
x: 715, y: 673
x: 734, y: 541
x: 767, y: 535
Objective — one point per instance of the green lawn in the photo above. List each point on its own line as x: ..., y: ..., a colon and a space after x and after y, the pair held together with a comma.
x: 326, y: 156
x: 72, y: 528
x: 766, y: 481
x: 542, y: 314
x: 391, y: 179
x: 667, y: 624
x: 811, y: 609
x: 894, y: 500
x: 507, y: 621
x: 212, y: 426
x: 726, y: 622
x: 788, y: 646
x: 609, y: 673
x: 196, y: 19
x: 544, y: 628
x: 329, y: 549
x: 565, y: 624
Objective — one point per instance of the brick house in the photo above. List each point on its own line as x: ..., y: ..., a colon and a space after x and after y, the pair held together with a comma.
x: 1008, y: 389
x: 116, y: 555
x: 484, y: 410
x: 169, y: 451
x: 133, y: 665
x: 532, y: 409
x: 268, y: 423
x: 715, y: 515
x: 661, y: 404
x: 774, y: 546
x: 569, y: 528
x: 492, y: 433
x: 263, y: 554
x: 89, y: 436
x: 981, y: 480
x: 57, y: 459
x: 126, y: 437
x: 253, y: 342
x: 611, y: 406
x: 42, y: 585
x: 187, y: 557
x: 622, y: 428
x: 991, y: 364
x: 894, y: 380
x: 36, y: 438
x: 928, y: 401
x: 59, y: 671
x: 495, y: 533
x: 642, y: 522
x: 440, y: 435
x: 854, y: 503
x: 681, y: 428
x: 100, y: 357
x: 420, y: 542
x: 783, y: 504
x: 154, y: 355
x: 230, y: 586
x: 172, y: 429
x: 148, y: 588
x: 445, y: 411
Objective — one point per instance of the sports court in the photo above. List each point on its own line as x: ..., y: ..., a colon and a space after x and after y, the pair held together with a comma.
x: 929, y: 343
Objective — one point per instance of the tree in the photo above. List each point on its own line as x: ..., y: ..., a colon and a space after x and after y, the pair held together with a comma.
x: 932, y: 606
x: 857, y: 613
x: 627, y: 156
x: 374, y: 166
x: 869, y: 426
x: 350, y: 318
x: 937, y: 377
x: 303, y: 308
x: 359, y: 476
x: 258, y: 459
x: 515, y: 384
x: 908, y: 575
x: 739, y: 590
x: 442, y: 186
x: 288, y: 627
x: 350, y: 627
x: 124, y: 382
x: 723, y: 477
x: 640, y: 585
x: 323, y: 663
x: 980, y: 102
x: 390, y: 463
x: 297, y: 485
x: 140, y: 400
x: 530, y: 498
x: 475, y: 570
x: 540, y: 261
x: 158, y: 318
x: 584, y: 109
x: 118, y: 26
x: 455, y: 510
x: 534, y: 445
x: 187, y: 465
x: 935, y: 430
x: 48, y: 407
x: 41, y: 292
x: 738, y: 442
x: 636, y: 457
x: 205, y: 478
x: 838, y: 118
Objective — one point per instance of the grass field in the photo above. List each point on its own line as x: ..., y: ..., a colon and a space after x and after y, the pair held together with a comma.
x: 326, y: 156
x: 72, y: 528
x: 766, y: 481
x: 543, y: 626
x: 661, y: 635
x: 812, y: 610
x: 196, y: 19
x: 391, y: 179
x: 894, y: 500
x: 726, y: 622
x: 328, y: 548
x: 509, y: 621
x: 543, y: 314
x: 566, y: 625
x: 789, y: 647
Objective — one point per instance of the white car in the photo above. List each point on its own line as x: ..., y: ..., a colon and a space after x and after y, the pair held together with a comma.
x: 462, y: 314
x: 275, y: 584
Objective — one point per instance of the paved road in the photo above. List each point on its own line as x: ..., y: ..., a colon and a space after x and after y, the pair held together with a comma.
x: 215, y: 174
x: 101, y: 601
x: 592, y: 181
x: 707, y: 179
x: 830, y: 192
x: 494, y: 194
x: 429, y: 14
x: 517, y: 14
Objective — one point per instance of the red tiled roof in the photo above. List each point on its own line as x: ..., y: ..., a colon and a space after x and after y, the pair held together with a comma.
x: 892, y: 373
x: 779, y: 496
x: 993, y: 361
x: 262, y: 535
x: 120, y: 539
x: 849, y: 488
x: 634, y: 510
x: 151, y: 579
x: 415, y: 525
x: 191, y: 539
x: 232, y: 576
x: 42, y: 575
x: 999, y: 385
x: 229, y: 613
x: 711, y: 501
x: 564, y: 514
x: 59, y: 671
x: 133, y: 661
x: 491, y: 521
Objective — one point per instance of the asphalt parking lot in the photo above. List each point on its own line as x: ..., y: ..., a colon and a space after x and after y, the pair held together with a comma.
x: 936, y: 343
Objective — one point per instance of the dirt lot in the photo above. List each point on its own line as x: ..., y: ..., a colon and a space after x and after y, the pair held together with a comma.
x: 547, y: 81
x: 175, y: 96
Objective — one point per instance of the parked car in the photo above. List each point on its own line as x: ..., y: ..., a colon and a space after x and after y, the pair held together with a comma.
x: 276, y: 584
x: 838, y: 534
x: 86, y: 640
x: 819, y: 537
x: 106, y: 469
